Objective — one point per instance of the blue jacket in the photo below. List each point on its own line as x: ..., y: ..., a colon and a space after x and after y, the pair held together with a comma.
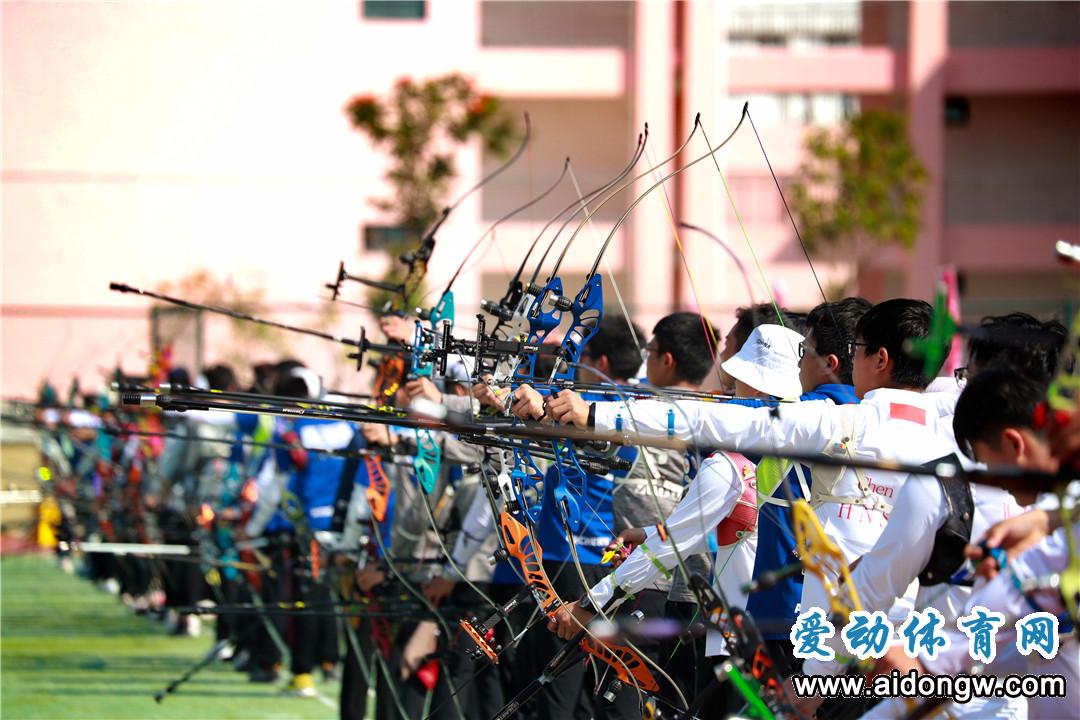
x: 774, y: 609
x: 595, y: 532
x: 315, y: 485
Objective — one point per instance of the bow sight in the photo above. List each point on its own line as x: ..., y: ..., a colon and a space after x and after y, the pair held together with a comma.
x: 342, y: 276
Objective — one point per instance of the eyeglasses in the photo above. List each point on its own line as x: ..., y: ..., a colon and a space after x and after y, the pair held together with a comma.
x: 852, y: 345
x: 804, y: 348
x: 960, y: 374
x: 650, y: 350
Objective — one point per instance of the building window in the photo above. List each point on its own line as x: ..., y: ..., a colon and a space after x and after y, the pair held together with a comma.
x: 394, y: 9
x: 823, y: 109
x: 386, y: 237
x: 957, y: 111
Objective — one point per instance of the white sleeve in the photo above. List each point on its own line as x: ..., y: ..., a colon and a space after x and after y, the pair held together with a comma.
x: 1000, y: 595
x: 901, y: 552
x: 904, y: 547
x: 804, y: 426
x: 476, y: 527
x: 709, y: 499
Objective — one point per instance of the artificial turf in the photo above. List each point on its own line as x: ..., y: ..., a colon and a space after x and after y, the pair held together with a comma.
x: 69, y: 650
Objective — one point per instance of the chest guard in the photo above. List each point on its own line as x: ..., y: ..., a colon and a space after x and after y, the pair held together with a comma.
x: 743, y: 518
x: 951, y: 538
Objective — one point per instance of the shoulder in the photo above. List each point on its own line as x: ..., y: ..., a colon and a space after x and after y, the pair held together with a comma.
x: 719, y: 464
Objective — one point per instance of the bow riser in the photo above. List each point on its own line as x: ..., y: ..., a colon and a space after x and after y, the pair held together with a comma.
x: 378, y: 491
x: 587, y: 308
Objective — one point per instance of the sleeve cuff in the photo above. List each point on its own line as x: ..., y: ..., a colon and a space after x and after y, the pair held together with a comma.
x: 450, y: 572
x: 602, y: 416
x: 602, y: 592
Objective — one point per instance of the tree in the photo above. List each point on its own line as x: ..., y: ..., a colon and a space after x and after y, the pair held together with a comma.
x: 420, y: 125
x: 859, y: 188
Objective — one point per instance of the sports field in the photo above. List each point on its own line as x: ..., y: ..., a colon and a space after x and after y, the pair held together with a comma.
x: 68, y: 650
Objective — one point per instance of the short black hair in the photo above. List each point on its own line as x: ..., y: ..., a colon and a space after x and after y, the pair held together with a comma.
x: 993, y: 400
x: 264, y: 378
x: 890, y: 325
x: 833, y: 327
x: 179, y: 376
x: 619, y: 343
x: 795, y: 321
x: 1019, y: 341
x: 684, y: 335
x: 749, y: 317
x: 220, y: 377
x: 288, y: 385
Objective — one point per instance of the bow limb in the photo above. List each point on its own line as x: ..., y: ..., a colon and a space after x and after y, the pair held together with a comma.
x: 763, y: 690
x: 571, y: 479
x: 629, y: 665
x: 502, y: 168
x: 491, y: 230
x: 515, y: 288
x: 417, y: 261
x: 608, y: 198
x: 730, y: 253
x: 441, y: 320
x: 378, y: 498
x: 515, y: 308
x: 447, y: 633
x: 463, y: 575
x: 823, y: 558
x: 519, y: 543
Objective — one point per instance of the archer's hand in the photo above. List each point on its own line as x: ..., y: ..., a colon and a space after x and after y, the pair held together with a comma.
x: 377, y: 434
x: 1014, y: 535
x: 369, y: 577
x: 397, y: 329
x: 624, y: 544
x: 569, y: 620
x: 568, y: 408
x: 421, y: 387
x: 528, y: 404
x: 438, y: 589
x: 488, y: 395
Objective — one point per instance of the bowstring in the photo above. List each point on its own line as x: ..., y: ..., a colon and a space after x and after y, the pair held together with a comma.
x: 710, y: 333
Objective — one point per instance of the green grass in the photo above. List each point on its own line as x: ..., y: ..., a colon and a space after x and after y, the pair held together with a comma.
x: 68, y: 650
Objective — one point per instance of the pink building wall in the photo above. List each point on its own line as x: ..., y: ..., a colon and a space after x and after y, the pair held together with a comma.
x: 143, y: 142
x: 147, y: 141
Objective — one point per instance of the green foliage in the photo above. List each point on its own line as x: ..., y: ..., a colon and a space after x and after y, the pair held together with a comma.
x: 859, y: 188
x: 419, y: 125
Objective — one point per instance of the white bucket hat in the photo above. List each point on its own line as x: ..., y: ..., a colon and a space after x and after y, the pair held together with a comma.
x: 768, y: 361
